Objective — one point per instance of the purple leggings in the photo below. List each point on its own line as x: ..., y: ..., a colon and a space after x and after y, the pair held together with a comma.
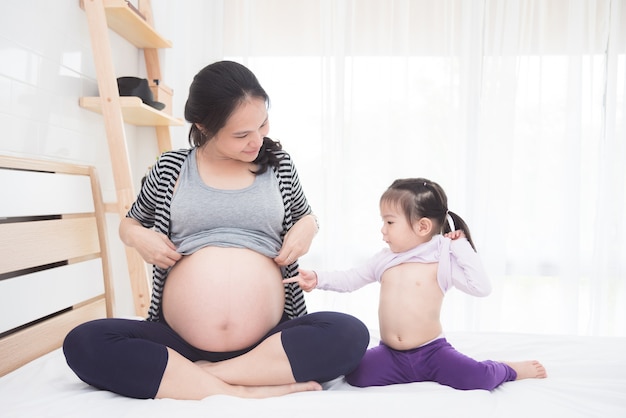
x: 128, y: 357
x: 437, y: 361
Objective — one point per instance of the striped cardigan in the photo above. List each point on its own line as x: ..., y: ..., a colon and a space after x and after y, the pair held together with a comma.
x: 152, y: 210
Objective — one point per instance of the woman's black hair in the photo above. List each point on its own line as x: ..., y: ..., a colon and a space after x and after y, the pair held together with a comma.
x: 216, y: 91
x: 422, y: 198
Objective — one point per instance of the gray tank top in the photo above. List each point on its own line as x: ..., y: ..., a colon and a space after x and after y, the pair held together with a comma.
x: 203, y: 216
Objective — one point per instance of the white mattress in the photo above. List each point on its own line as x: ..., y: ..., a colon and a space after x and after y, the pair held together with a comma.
x: 586, y: 378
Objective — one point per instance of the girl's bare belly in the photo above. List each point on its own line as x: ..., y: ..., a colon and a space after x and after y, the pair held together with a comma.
x: 223, y: 299
x: 410, y: 305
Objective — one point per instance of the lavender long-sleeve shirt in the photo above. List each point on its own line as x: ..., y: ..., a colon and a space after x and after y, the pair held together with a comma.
x: 459, y: 266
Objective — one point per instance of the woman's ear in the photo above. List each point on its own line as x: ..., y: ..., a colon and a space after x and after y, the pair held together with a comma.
x: 424, y: 226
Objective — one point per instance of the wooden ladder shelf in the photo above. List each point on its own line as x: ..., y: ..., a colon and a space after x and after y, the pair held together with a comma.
x: 136, y: 26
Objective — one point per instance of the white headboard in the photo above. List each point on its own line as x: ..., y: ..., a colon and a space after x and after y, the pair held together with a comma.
x: 54, y: 267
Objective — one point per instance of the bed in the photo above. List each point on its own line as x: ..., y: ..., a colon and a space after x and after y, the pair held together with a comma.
x: 52, y: 237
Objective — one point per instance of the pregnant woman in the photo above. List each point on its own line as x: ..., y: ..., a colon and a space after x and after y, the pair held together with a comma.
x: 223, y: 223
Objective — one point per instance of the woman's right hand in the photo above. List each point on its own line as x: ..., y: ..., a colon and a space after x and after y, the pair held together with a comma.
x: 154, y: 247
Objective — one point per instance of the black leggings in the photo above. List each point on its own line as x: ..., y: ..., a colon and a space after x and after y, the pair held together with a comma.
x: 128, y: 357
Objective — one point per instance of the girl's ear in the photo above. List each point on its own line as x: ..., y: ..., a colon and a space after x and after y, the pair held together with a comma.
x: 424, y: 226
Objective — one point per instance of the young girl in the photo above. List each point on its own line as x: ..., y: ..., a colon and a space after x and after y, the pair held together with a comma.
x: 427, y: 255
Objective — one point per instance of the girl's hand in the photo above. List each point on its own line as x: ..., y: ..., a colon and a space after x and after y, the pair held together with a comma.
x: 297, y: 240
x: 307, y: 279
x: 455, y: 234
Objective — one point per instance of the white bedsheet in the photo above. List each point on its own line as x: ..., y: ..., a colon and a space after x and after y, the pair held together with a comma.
x: 586, y: 378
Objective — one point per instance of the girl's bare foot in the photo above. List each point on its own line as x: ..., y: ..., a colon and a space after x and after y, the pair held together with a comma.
x: 530, y: 369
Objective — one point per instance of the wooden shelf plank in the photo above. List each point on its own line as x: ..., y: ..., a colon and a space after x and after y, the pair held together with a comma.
x: 137, y: 27
x: 134, y: 111
x: 131, y: 26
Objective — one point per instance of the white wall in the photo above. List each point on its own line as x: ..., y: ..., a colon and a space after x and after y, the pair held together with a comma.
x: 46, y: 64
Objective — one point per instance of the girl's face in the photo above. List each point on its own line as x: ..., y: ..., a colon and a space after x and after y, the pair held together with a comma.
x: 242, y: 136
x: 397, y: 232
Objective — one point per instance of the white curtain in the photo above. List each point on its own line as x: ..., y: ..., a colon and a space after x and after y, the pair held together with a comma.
x: 515, y: 107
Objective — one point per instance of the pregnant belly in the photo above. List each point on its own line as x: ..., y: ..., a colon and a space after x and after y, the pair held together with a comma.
x: 223, y: 299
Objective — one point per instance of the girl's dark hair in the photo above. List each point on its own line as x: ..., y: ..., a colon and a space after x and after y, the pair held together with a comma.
x: 422, y: 198
x: 215, y: 92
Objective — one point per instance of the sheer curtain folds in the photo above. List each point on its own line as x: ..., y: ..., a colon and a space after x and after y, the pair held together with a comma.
x: 515, y: 107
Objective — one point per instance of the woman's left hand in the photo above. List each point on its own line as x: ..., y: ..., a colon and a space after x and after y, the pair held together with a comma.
x: 297, y: 240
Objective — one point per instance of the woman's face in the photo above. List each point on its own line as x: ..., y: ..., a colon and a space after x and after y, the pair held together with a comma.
x: 242, y: 136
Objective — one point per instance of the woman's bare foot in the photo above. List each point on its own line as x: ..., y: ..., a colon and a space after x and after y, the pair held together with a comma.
x: 203, y: 364
x: 530, y: 369
x: 264, y: 391
x: 277, y: 390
